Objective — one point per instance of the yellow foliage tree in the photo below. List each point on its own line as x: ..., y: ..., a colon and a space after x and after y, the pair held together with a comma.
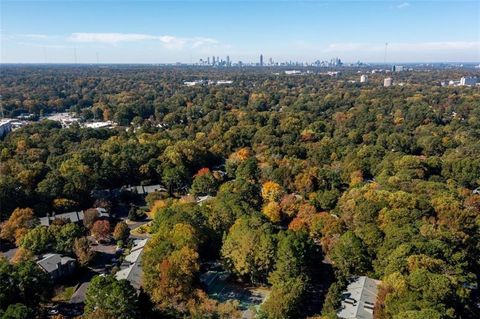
x: 273, y: 212
x: 271, y: 191
x: 356, y: 178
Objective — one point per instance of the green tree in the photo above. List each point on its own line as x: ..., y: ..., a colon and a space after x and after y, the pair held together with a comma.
x: 249, y: 249
x: 174, y: 177
x: 204, y: 184
x: 349, y: 255
x: 284, y: 299
x: 65, y: 236
x: 23, y: 283
x: 17, y: 311
x: 38, y: 240
x: 115, y: 297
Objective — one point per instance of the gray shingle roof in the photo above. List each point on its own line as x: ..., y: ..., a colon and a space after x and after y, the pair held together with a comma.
x: 73, y: 217
x: 359, y: 298
x: 50, y: 262
x: 131, y: 268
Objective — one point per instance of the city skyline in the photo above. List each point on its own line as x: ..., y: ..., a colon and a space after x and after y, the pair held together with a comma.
x: 186, y: 31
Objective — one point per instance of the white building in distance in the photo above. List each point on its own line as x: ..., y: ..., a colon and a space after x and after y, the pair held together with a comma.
x: 5, y: 127
x: 468, y: 80
x: 364, y: 78
x: 387, y: 82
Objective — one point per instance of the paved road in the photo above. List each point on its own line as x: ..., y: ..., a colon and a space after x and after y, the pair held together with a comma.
x: 79, y: 295
x: 133, y: 225
x: 10, y: 253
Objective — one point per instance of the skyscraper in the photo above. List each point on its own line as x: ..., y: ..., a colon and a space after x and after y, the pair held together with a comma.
x: 261, y: 59
x: 228, y: 60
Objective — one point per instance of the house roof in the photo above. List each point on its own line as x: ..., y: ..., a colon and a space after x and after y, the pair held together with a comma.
x: 202, y: 199
x: 146, y: 189
x: 73, y: 217
x: 359, y: 298
x: 50, y: 262
x: 131, y: 266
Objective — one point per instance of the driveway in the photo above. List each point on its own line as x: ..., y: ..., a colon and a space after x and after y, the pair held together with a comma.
x: 79, y: 295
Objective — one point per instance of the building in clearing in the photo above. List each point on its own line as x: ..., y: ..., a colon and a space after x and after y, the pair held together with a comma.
x: 359, y: 299
x: 145, y: 189
x: 5, y: 127
x: 72, y: 217
x: 363, y: 78
x: 468, y: 80
x: 131, y: 268
x: 387, y: 82
x: 57, y: 266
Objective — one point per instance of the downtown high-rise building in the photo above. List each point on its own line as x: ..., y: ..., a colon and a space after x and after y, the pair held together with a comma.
x: 261, y: 59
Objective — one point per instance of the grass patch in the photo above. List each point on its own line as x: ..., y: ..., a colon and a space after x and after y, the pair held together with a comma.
x: 64, y: 293
x: 143, y: 230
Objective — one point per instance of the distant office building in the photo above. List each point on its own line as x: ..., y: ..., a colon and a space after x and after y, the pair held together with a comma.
x: 228, y: 60
x: 261, y: 59
x: 468, y: 80
x: 364, y: 78
x: 387, y: 82
x: 335, y: 62
x: 397, y: 68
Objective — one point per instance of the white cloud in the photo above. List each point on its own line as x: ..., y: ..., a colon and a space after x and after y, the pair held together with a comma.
x: 109, y: 38
x: 403, y: 5
x: 31, y: 36
x: 168, y: 41
x: 404, y: 47
x: 35, y: 36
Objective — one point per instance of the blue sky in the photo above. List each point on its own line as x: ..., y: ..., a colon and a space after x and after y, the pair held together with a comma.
x: 138, y: 31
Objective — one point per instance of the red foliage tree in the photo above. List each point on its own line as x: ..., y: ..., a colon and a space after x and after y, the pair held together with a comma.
x: 101, y: 229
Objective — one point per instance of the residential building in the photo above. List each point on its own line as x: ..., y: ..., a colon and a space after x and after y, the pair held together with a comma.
x: 468, y: 80
x: 57, y: 266
x: 131, y: 268
x: 73, y: 217
x: 363, y: 78
x: 358, y: 300
x: 146, y: 189
x: 5, y: 127
x: 387, y: 82
x: 202, y: 199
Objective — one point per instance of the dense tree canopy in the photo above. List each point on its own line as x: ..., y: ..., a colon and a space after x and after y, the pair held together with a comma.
x: 376, y: 181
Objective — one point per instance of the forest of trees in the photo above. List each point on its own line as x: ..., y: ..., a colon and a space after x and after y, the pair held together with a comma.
x: 374, y: 181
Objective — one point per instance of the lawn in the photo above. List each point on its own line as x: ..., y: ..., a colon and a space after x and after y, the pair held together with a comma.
x: 64, y: 293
